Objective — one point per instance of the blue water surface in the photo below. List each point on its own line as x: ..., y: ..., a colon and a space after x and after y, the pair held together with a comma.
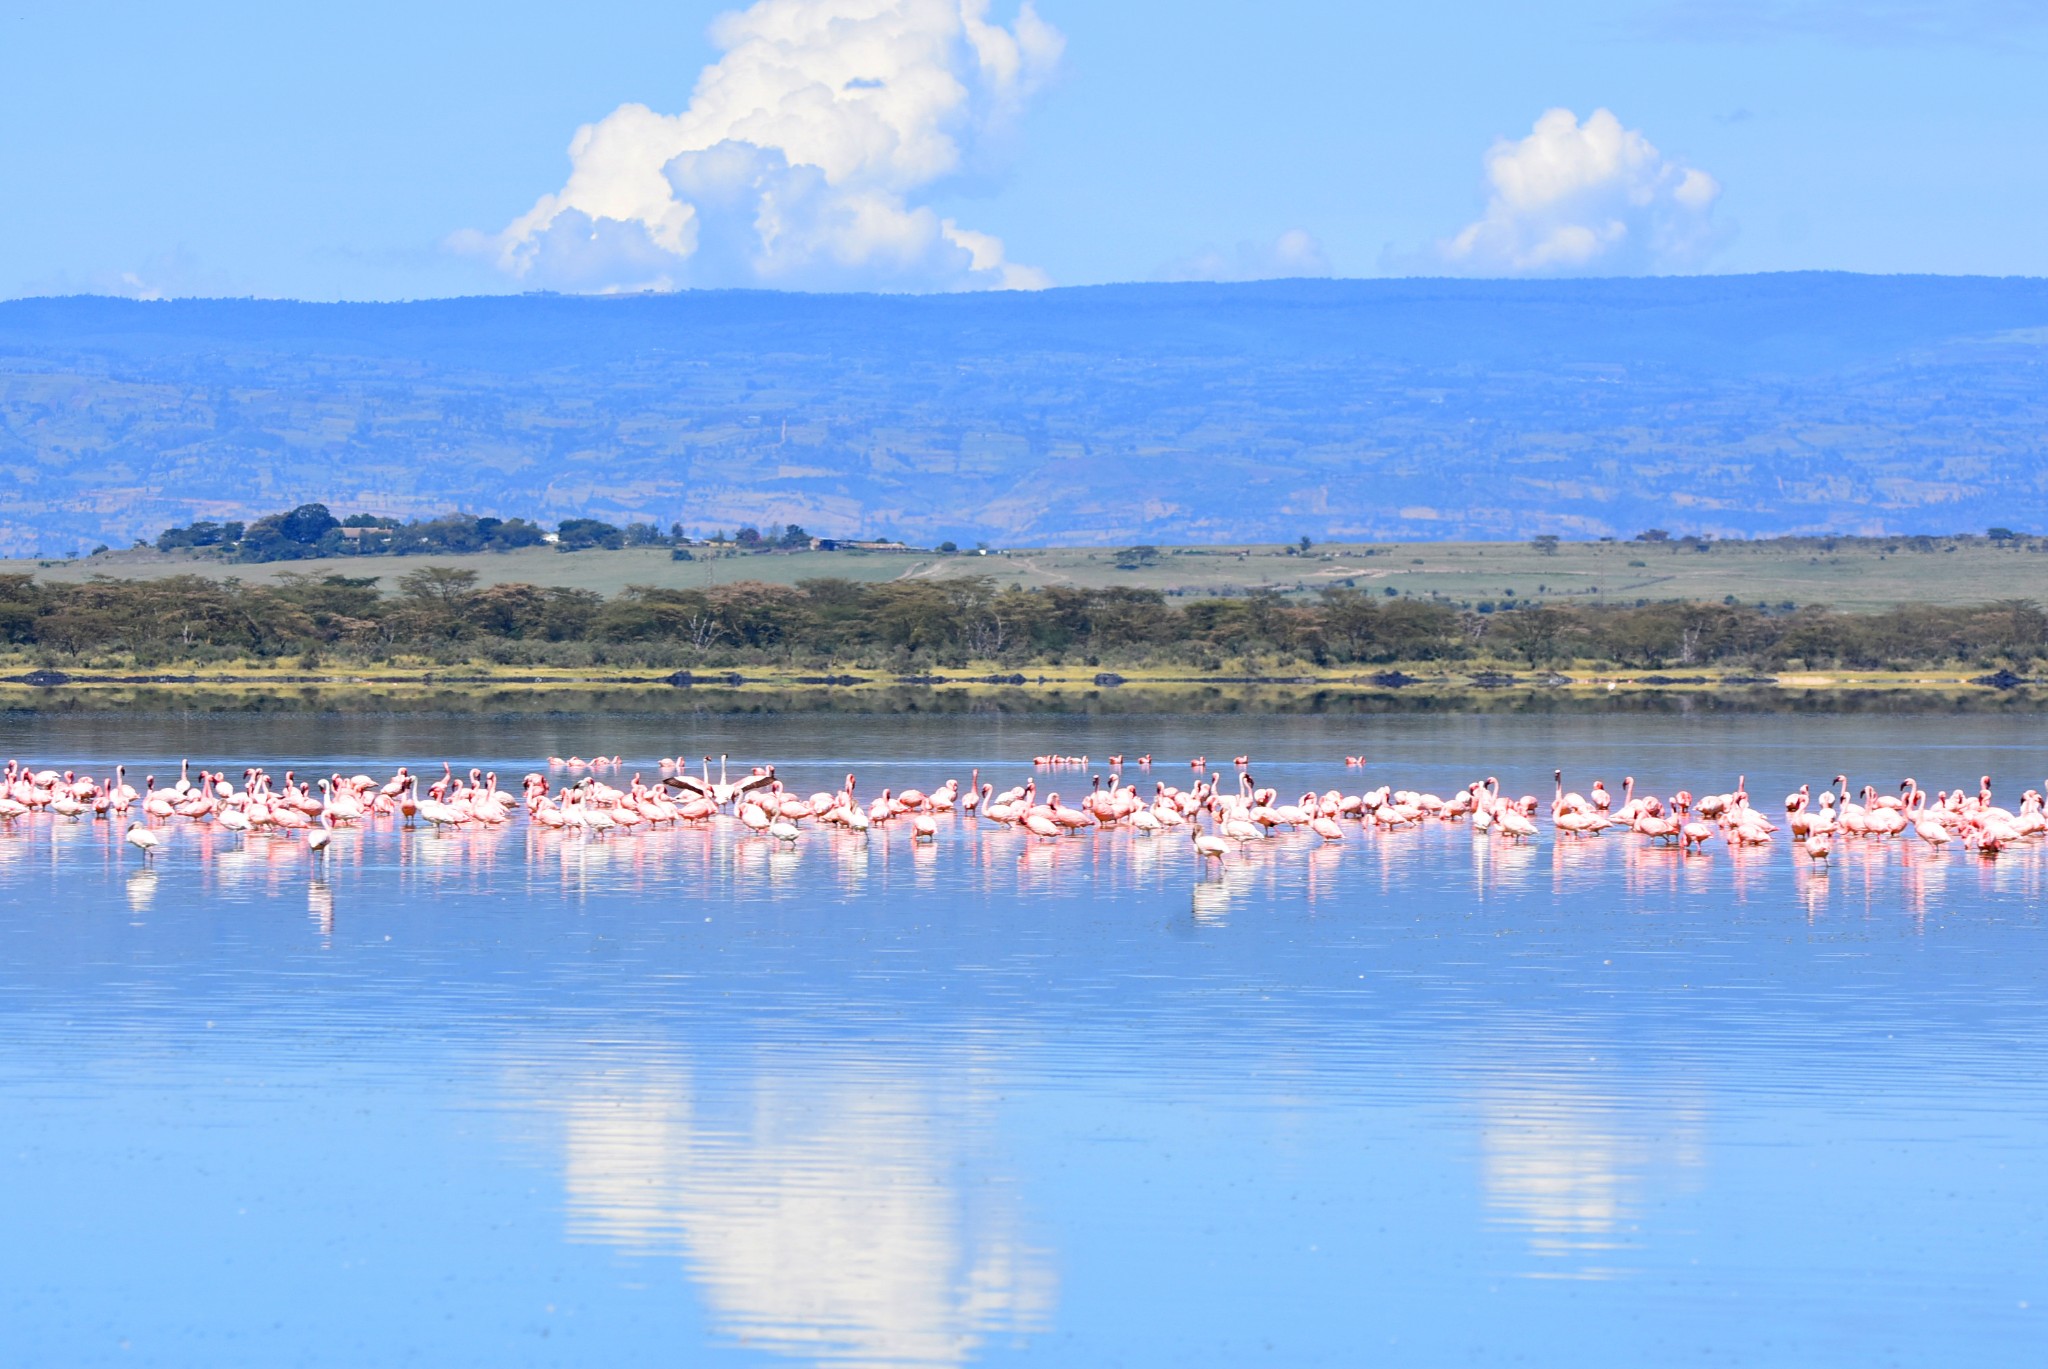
x: 519, y: 1098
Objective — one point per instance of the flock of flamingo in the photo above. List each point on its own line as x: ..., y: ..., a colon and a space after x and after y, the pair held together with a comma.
x: 1218, y: 817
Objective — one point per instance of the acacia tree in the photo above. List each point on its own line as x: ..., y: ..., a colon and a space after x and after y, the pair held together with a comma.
x: 1537, y: 634
x: 434, y: 600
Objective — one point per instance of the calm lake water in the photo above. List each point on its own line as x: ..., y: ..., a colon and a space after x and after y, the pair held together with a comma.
x: 511, y: 1098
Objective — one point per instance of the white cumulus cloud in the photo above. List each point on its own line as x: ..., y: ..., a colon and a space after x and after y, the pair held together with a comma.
x: 1293, y: 254
x: 797, y: 163
x: 1577, y: 197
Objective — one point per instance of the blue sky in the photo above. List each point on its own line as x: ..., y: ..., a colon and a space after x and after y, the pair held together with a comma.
x: 384, y: 150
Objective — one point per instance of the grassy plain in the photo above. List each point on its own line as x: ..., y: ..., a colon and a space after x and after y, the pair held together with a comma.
x: 1856, y: 575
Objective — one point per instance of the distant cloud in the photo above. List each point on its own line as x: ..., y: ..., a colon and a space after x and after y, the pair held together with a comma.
x: 1866, y: 22
x: 173, y: 274
x: 1293, y: 254
x: 1593, y: 197
x: 798, y: 159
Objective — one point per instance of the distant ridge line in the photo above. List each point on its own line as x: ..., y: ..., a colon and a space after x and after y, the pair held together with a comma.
x: 1385, y: 409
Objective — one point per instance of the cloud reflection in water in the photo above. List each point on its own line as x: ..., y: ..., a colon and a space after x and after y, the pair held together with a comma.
x: 1565, y: 1160
x: 825, y: 1212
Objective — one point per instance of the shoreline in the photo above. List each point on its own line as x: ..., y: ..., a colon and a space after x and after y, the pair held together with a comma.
x: 1412, y: 677
x: 1391, y: 691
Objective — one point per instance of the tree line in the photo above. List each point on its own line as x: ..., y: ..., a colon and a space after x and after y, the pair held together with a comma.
x: 312, y: 530
x: 444, y: 614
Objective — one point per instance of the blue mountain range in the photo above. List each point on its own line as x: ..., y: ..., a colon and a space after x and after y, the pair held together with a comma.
x: 1721, y: 405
